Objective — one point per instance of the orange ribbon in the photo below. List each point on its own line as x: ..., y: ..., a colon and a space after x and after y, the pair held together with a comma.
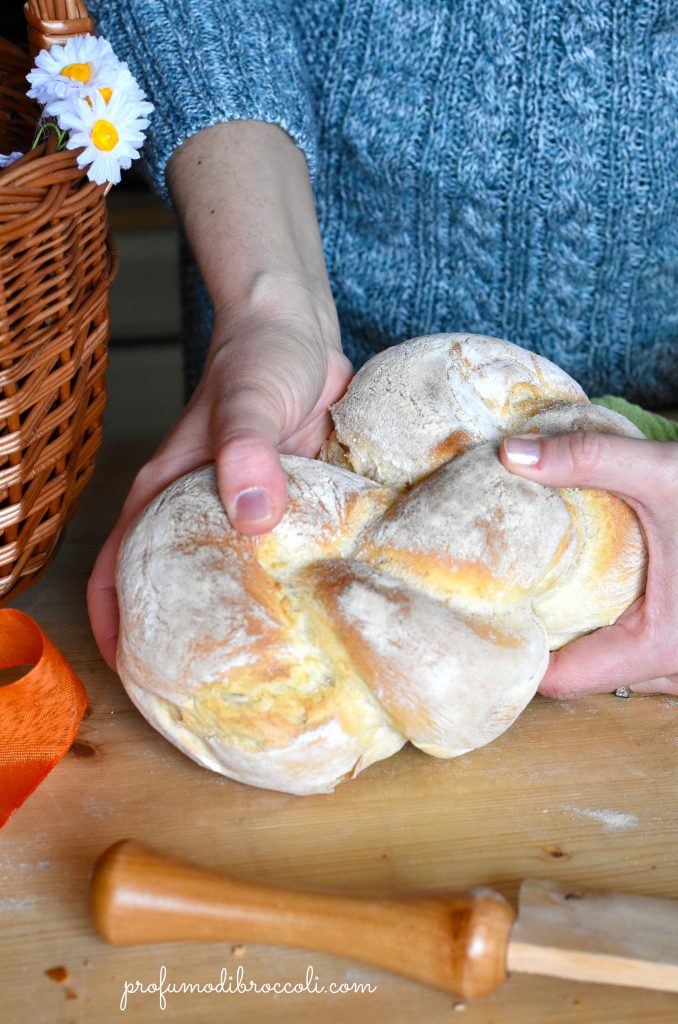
x: 39, y: 713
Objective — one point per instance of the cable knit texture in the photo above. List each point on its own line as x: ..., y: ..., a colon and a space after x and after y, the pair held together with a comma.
x: 506, y: 167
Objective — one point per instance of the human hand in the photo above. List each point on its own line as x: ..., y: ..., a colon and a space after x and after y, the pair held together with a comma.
x: 266, y: 390
x: 244, y: 196
x: 641, y: 649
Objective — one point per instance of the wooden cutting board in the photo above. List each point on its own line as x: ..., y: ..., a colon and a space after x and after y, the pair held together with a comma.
x: 581, y: 792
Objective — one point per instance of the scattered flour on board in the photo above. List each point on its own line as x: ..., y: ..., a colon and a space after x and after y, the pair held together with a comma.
x: 18, y: 903
x: 608, y: 818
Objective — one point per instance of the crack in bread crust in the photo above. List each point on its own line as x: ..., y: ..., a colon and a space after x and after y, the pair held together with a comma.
x: 411, y: 592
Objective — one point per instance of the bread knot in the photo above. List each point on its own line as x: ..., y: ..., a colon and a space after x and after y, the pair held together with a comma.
x: 411, y: 592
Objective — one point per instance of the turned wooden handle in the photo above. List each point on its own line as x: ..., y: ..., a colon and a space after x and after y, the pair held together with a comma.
x: 457, y: 943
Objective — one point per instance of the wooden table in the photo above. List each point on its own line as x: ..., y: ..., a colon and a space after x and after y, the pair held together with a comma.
x: 582, y: 792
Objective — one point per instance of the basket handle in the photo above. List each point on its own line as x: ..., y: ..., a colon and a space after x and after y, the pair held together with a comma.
x: 55, y: 21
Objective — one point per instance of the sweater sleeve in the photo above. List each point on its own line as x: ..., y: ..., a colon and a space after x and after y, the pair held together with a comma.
x: 201, y: 62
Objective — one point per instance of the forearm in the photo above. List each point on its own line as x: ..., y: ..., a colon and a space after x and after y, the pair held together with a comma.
x: 243, y: 193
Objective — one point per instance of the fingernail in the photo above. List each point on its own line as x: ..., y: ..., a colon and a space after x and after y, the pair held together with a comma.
x: 522, y: 450
x: 252, y: 506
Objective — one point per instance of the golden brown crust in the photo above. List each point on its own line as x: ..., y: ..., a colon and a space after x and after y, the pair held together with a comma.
x: 415, y: 654
x: 417, y: 601
x: 462, y: 533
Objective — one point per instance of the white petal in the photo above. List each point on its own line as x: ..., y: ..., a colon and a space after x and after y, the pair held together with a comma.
x: 78, y: 139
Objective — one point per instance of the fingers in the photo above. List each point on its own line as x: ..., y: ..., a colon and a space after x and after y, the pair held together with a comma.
x: 251, y: 483
x: 589, y: 666
x: 601, y: 661
x: 640, y: 650
x: 631, y: 468
x: 597, y: 663
x: 663, y: 684
x: 246, y: 427
x: 102, y: 603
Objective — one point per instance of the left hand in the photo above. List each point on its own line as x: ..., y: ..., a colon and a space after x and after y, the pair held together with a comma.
x: 641, y: 649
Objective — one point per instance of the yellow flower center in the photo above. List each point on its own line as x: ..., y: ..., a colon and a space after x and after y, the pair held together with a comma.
x: 105, y: 92
x: 104, y: 135
x: 80, y: 72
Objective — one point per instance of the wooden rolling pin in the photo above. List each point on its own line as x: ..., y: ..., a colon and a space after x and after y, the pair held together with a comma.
x: 464, y: 943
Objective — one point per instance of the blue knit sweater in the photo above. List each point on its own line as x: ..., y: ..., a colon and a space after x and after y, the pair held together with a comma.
x: 508, y: 167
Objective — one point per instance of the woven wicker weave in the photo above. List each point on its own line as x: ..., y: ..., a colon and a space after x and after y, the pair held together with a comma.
x: 56, y: 266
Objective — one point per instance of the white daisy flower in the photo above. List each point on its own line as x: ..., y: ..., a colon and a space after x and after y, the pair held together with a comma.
x: 119, y: 81
x: 82, y: 65
x: 6, y: 160
x: 110, y: 133
x: 127, y: 83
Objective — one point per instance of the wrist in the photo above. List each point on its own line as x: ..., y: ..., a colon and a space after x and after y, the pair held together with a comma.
x: 288, y: 302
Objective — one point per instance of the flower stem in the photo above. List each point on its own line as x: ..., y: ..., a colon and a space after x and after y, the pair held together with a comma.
x: 42, y: 130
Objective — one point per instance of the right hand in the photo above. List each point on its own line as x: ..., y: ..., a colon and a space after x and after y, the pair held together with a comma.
x: 266, y: 389
x: 275, y: 364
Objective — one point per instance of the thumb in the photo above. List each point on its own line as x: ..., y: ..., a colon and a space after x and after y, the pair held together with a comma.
x: 629, y: 467
x: 250, y: 477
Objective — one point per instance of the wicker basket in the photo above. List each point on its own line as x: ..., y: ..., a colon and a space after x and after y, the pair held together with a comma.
x: 56, y: 266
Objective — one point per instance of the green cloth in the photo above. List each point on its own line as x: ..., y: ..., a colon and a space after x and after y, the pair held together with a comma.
x: 655, y: 427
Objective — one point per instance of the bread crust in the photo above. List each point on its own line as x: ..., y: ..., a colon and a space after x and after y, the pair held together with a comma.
x: 408, y: 601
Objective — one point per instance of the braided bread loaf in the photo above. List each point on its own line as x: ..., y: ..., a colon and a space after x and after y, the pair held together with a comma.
x: 412, y: 591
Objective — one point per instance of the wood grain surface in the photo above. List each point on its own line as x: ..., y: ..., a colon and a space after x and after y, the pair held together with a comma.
x: 582, y: 792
